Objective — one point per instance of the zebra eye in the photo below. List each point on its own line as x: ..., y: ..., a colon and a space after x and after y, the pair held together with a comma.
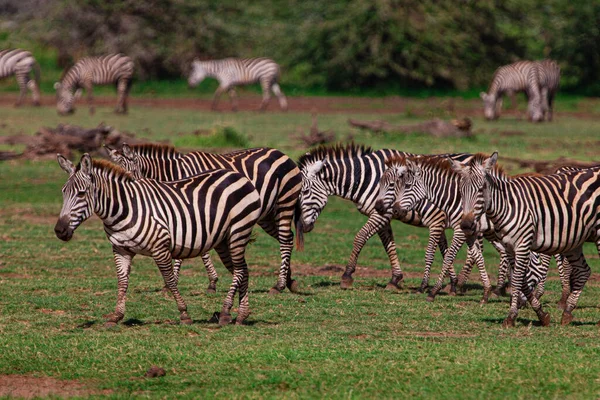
x: 81, y: 193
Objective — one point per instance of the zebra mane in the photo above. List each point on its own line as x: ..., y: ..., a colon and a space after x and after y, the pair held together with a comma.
x: 152, y: 150
x: 479, y: 158
x: 337, y: 151
x: 107, y: 168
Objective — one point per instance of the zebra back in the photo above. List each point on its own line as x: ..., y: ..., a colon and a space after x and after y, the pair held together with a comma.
x: 235, y: 71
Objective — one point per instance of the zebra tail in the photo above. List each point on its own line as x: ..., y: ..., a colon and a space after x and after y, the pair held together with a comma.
x: 299, y: 226
x: 36, y: 73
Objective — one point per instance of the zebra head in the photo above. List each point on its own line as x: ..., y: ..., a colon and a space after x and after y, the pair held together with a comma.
x: 126, y: 159
x: 198, y: 73
x: 410, y: 189
x: 491, y: 106
x: 314, y: 193
x: 64, y: 99
x: 535, y: 109
x: 473, y: 189
x: 78, y: 198
x: 391, y: 178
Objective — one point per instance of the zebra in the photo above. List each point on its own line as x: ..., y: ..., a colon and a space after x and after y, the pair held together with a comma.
x: 521, y: 76
x: 410, y: 181
x: 20, y: 63
x: 276, y: 177
x: 549, y: 78
x: 89, y: 71
x: 352, y: 172
x: 232, y: 72
x: 548, y: 214
x: 165, y: 220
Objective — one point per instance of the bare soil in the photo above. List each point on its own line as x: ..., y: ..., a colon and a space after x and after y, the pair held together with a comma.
x: 29, y: 387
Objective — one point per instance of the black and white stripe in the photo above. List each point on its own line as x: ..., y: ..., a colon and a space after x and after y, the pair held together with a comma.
x: 21, y: 63
x: 109, y: 69
x: 232, y: 72
x: 548, y: 214
x: 549, y: 78
x: 275, y: 176
x: 521, y: 76
x: 164, y: 220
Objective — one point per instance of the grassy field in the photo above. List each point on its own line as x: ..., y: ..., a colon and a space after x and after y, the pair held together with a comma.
x: 323, y: 342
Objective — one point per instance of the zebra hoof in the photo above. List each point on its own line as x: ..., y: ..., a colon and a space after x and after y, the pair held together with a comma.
x: 392, y: 287
x: 561, y: 305
x: 110, y: 324
x: 544, y: 318
x: 452, y: 293
x: 430, y: 298
x: 274, y: 291
x: 211, y: 290
x: 346, y: 283
x: 224, y: 319
x: 294, y: 286
x: 567, y: 318
x: 186, y: 321
x: 508, y: 323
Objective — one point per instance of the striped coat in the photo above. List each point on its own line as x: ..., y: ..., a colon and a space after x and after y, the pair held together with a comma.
x: 110, y: 69
x: 232, y: 72
x: 21, y: 63
x: 164, y: 220
x: 549, y: 78
x: 275, y: 176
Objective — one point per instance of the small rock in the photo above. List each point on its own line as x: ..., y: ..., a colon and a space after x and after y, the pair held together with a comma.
x: 155, y: 371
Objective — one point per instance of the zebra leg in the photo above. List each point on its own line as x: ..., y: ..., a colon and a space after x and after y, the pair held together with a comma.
x: 466, y: 270
x: 550, y: 106
x: 211, y: 272
x: 437, y: 237
x: 176, y: 267
x: 522, y: 259
x: 239, y: 283
x: 32, y: 85
x: 564, y: 272
x: 280, y: 228
x: 22, y: 80
x: 123, y: 260
x: 164, y: 262
x: 280, y: 96
x: 475, y: 253
x: 266, y: 95
x: 122, y: 92
x: 539, y: 274
x: 500, y: 289
x: 580, y: 273
x: 234, y: 99
x: 448, y: 268
x: 387, y: 238
x: 373, y: 225
x: 90, y: 96
x: 216, y: 97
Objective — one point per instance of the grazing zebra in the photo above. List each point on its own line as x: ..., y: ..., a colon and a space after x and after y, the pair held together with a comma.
x: 276, y: 177
x: 353, y: 172
x: 548, y: 214
x: 20, y: 63
x: 232, y: 72
x: 89, y: 71
x: 549, y: 78
x: 521, y: 76
x: 410, y: 181
x: 164, y: 220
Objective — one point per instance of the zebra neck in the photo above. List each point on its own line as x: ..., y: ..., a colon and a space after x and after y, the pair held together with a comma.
x: 441, y: 189
x: 355, y: 179
x: 162, y: 169
x: 497, y: 198
x: 71, y: 79
x: 111, y: 195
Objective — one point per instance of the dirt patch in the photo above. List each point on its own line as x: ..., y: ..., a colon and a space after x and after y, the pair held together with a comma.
x: 439, y: 334
x: 29, y: 387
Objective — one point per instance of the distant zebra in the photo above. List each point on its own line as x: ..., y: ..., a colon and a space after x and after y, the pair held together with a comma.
x: 276, y: 177
x: 549, y: 78
x: 550, y: 214
x: 353, y: 172
x: 20, y: 63
x: 164, y: 220
x: 89, y: 71
x: 232, y: 72
x: 521, y: 76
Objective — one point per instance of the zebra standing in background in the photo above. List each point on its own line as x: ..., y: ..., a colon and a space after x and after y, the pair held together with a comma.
x: 548, y: 214
x: 521, y: 76
x: 20, y: 63
x: 276, y: 177
x: 165, y: 220
x: 232, y: 72
x: 549, y: 78
x: 89, y: 71
x: 353, y: 173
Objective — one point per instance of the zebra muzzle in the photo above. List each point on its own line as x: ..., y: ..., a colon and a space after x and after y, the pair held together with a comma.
x: 467, y: 224
x: 62, y: 231
x: 380, y: 207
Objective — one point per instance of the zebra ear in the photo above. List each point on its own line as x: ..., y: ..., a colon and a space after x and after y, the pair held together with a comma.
x: 65, y: 164
x: 127, y: 152
x: 483, y: 95
x: 412, y: 167
x: 490, y: 162
x: 57, y: 85
x: 314, y: 169
x: 78, y: 93
x: 457, y: 166
x: 86, y: 164
x: 112, y: 153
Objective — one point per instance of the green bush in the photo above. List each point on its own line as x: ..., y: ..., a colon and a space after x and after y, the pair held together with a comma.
x: 218, y: 137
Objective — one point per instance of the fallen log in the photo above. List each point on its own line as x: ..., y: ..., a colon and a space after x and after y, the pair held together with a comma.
x: 549, y: 166
x: 435, y: 127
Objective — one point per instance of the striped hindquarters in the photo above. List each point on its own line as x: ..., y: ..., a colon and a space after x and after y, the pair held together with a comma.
x: 549, y: 75
x: 514, y: 77
x: 15, y: 62
x: 98, y: 70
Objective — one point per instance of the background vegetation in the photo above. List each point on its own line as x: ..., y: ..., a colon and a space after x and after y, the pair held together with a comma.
x: 386, y: 46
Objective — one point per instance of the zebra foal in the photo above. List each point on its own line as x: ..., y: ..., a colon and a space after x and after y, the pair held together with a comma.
x: 232, y: 72
x: 275, y: 176
x: 548, y: 214
x: 20, y: 63
x: 90, y: 71
x: 164, y: 220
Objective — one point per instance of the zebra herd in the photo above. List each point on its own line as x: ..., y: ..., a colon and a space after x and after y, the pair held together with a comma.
x: 158, y: 202
x: 539, y: 80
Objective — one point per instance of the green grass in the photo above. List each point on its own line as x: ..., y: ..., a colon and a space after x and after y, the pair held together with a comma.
x: 324, y: 342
